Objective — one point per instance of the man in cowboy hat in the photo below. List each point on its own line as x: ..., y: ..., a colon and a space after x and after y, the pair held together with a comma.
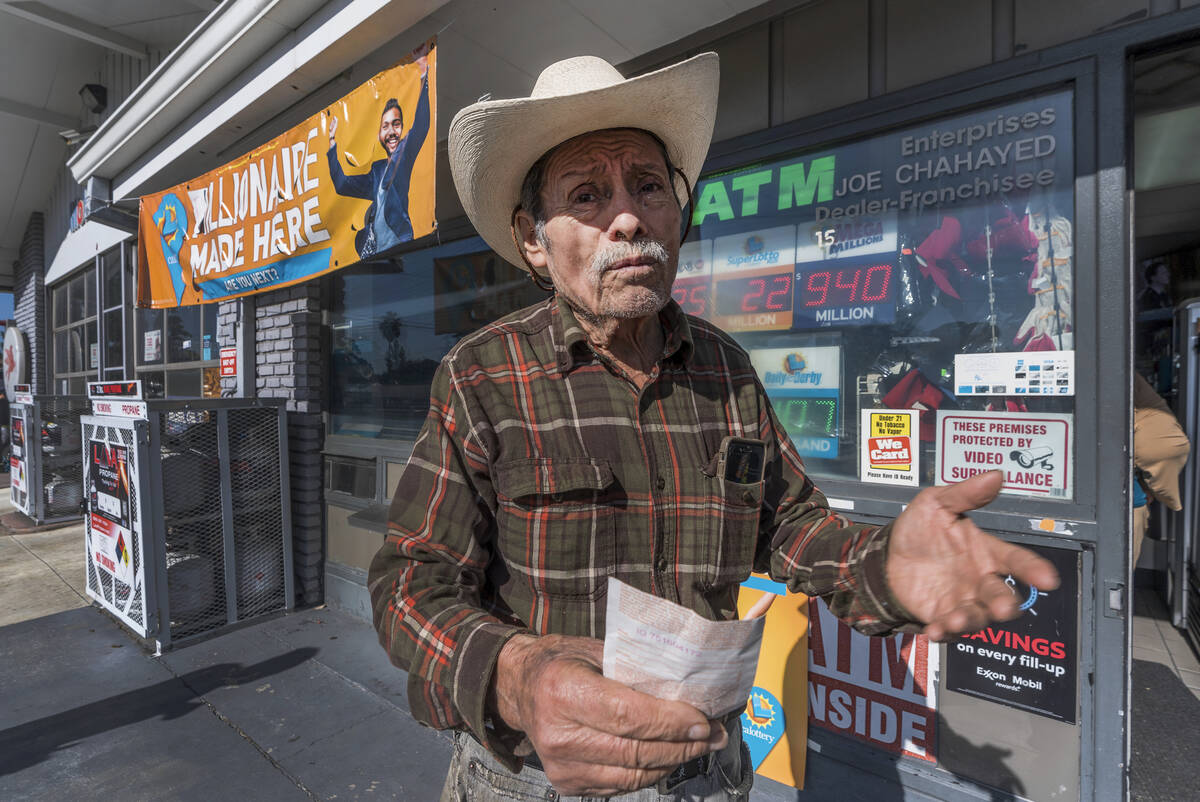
x: 593, y: 435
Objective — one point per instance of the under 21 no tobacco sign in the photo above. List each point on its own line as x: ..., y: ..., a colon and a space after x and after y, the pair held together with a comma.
x: 889, y: 453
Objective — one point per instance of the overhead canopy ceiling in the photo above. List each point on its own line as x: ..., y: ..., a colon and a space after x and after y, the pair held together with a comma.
x: 48, y: 50
x: 485, y: 47
x: 1166, y: 139
x: 289, y: 66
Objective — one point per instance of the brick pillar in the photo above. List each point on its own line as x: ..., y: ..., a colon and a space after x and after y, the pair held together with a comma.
x: 289, y: 365
x: 29, y: 299
x: 228, y: 319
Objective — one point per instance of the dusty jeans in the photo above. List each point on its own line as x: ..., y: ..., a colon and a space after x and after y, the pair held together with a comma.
x: 476, y: 776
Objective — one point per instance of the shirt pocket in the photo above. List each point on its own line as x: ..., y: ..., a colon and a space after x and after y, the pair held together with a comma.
x: 730, y: 532
x: 555, y: 524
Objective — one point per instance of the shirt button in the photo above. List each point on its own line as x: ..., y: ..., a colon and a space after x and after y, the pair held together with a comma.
x: 660, y: 484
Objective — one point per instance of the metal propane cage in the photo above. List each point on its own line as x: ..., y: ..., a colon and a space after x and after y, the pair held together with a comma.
x: 46, y: 447
x: 188, y: 511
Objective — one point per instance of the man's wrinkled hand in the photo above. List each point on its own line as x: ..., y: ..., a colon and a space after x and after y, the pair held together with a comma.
x: 593, y: 736
x: 947, y: 572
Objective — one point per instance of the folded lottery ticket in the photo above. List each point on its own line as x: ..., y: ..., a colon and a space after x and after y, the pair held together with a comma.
x: 659, y: 648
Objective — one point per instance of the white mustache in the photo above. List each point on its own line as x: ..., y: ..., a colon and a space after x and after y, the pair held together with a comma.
x: 644, y: 248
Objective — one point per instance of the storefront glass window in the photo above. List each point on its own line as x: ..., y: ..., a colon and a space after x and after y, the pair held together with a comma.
x: 907, y: 298
x: 89, y: 298
x: 114, y: 342
x: 60, y: 302
x: 392, y: 321
x: 354, y: 477
x: 76, y: 351
x: 76, y: 302
x: 149, y: 341
x: 111, y: 275
x: 184, y: 383
x: 153, y: 383
x: 183, y: 340
x: 90, y: 323
x: 183, y: 334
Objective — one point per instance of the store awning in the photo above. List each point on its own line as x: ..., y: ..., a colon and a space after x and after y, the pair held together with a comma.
x: 81, y: 246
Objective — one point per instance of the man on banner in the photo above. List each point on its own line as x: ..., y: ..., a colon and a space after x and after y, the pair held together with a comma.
x: 386, y: 184
x: 604, y: 433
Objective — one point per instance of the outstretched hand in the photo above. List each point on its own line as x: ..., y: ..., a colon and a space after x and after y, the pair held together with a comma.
x: 947, y: 572
x: 593, y: 736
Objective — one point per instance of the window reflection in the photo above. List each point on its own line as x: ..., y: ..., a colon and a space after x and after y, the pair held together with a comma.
x: 177, y: 339
x: 392, y: 322
x: 111, y: 275
x: 183, y: 334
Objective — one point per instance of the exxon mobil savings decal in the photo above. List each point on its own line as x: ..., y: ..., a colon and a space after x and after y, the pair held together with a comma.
x: 350, y: 182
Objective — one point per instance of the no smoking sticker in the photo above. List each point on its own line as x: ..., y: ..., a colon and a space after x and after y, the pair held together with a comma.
x: 889, y: 454
x: 1034, y: 450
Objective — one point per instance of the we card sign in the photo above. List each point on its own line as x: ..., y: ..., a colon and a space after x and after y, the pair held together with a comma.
x: 889, y: 453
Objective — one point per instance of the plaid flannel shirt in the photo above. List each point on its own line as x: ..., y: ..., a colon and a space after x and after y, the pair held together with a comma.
x: 541, y: 471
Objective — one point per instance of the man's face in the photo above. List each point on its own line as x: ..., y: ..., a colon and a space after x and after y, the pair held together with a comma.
x: 612, y: 224
x: 1161, y: 275
x: 390, y: 130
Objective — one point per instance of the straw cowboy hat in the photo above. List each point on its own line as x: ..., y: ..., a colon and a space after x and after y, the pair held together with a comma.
x: 493, y: 143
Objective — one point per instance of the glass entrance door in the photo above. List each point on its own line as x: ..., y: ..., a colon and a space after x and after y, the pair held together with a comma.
x: 1166, y: 275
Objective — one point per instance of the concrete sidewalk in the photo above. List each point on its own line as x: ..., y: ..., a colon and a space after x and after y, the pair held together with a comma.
x: 295, y: 707
x: 299, y: 706
x: 304, y: 706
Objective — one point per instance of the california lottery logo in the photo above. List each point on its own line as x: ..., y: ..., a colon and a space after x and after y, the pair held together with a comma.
x: 171, y: 220
x: 753, y: 244
x: 762, y: 724
x: 794, y: 363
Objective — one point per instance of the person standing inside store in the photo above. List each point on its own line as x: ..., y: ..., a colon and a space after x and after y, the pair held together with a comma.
x: 386, y: 223
x: 592, y: 435
x: 1160, y: 450
x: 1157, y: 292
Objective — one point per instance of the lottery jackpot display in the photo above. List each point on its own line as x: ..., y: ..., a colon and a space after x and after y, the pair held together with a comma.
x: 936, y: 261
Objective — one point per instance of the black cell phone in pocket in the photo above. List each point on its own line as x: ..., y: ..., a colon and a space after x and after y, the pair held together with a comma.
x: 741, y: 460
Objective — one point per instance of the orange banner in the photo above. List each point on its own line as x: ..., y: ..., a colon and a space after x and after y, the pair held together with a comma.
x: 350, y: 182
